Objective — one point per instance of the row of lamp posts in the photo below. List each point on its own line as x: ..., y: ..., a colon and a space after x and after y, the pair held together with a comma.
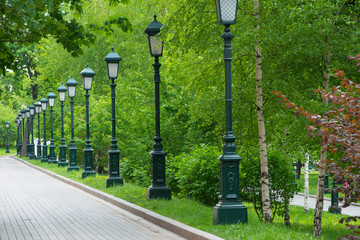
x: 229, y: 209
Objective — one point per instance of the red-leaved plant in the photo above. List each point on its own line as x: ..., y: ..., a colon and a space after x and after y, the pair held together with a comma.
x: 339, y: 129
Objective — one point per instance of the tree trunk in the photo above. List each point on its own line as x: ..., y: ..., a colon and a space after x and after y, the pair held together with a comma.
x: 323, y: 155
x: 287, y: 199
x: 261, y: 126
x: 306, y: 183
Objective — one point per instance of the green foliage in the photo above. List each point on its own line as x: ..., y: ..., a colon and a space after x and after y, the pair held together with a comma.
x: 195, y: 175
x: 281, y: 178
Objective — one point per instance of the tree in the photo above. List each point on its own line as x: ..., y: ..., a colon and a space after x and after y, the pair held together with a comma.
x: 339, y: 130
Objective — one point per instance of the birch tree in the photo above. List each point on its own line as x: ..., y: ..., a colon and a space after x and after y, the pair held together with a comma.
x: 306, y: 183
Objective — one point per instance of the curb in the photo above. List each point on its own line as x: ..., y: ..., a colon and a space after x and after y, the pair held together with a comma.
x: 328, y: 199
x: 169, y: 224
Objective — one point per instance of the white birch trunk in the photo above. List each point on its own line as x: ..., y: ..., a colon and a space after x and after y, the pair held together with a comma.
x: 323, y: 155
x: 261, y: 126
x: 306, y: 183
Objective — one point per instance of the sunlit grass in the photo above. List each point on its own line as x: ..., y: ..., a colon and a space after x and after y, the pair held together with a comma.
x: 199, y: 216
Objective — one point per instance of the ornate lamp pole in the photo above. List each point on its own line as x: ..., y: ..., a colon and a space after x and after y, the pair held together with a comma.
x: 87, y: 76
x: 112, y: 61
x: 28, y: 151
x: 23, y: 114
x: 38, y: 146
x: 158, y: 188
x: 62, y: 157
x: 32, y: 145
x: 229, y: 209
x: 51, y: 97
x: 20, y: 134
x: 71, y: 83
x: 7, y: 125
x: 17, y: 122
x: 45, y: 157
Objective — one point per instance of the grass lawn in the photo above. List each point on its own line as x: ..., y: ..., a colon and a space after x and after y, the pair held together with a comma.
x: 199, y: 216
x: 11, y: 149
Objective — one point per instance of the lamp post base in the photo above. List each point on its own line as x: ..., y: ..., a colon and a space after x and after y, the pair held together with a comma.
x: 229, y: 213
x: 52, y: 159
x: 114, y: 181
x: 7, y: 149
x: 335, y: 209
x: 163, y: 192
x: 87, y: 173
x: 44, y: 159
x: 62, y: 158
x: 73, y: 168
x: 38, y: 157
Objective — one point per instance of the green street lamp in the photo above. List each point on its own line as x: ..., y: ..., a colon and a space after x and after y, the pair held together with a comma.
x: 17, y: 135
x: 32, y: 145
x: 334, y: 208
x: 7, y: 125
x: 20, y: 134
x: 44, y: 102
x: 62, y: 156
x: 112, y: 61
x: 229, y: 209
x: 51, y: 98
x: 158, y: 188
x: 23, y: 115
x: 87, y: 76
x: 38, y: 146
x: 28, y: 150
x: 71, y: 83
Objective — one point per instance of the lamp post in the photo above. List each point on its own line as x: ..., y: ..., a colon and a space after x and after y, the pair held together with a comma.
x: 17, y: 134
x: 51, y: 97
x: 32, y: 145
x: 23, y: 114
x: 71, y: 83
x: 62, y: 156
x: 28, y: 151
x: 87, y: 76
x: 45, y: 157
x: 158, y: 188
x: 38, y: 146
x: 20, y: 134
x: 334, y: 208
x: 112, y: 61
x: 7, y: 125
x: 229, y: 209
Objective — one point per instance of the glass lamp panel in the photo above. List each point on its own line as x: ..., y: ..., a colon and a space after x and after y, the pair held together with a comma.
x: 7, y: 125
x: 37, y: 109
x: 113, y: 68
x: 87, y: 81
x: 226, y: 11
x: 156, y: 46
x: 51, y: 102
x: 27, y: 114
x: 62, y: 96
x: 17, y: 124
x: 43, y: 106
x: 72, y: 90
x: 32, y: 111
x: 23, y: 115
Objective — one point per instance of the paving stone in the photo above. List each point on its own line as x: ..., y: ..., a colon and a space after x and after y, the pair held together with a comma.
x: 34, y: 205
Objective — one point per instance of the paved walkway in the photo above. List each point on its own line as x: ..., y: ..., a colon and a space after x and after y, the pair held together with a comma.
x: 353, y: 210
x: 34, y: 205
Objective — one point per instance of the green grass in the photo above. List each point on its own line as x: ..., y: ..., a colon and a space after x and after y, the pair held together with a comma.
x: 196, y: 215
x: 11, y: 149
x: 313, y: 180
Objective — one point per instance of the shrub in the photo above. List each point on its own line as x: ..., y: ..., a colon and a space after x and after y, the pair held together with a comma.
x: 281, y: 179
x: 195, y: 175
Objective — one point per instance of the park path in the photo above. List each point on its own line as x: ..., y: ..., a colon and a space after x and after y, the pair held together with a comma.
x: 298, y: 200
x: 34, y: 205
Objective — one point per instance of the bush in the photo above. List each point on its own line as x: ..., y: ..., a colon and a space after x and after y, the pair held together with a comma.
x: 281, y: 180
x: 195, y: 175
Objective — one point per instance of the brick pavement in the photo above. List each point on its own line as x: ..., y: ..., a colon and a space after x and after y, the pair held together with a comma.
x: 34, y: 205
